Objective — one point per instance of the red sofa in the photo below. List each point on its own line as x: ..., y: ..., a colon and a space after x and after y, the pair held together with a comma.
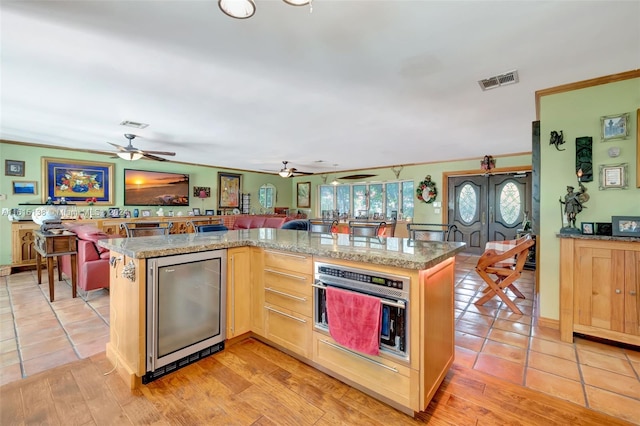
x: 92, y: 260
x: 250, y: 222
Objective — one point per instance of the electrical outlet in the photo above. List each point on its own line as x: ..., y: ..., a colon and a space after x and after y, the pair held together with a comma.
x: 3, y: 197
x: 436, y: 211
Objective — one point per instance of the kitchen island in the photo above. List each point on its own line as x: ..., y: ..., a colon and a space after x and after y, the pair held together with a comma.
x: 270, y: 296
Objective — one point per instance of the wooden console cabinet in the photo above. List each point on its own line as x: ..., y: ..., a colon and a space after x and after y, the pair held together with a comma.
x: 599, y: 285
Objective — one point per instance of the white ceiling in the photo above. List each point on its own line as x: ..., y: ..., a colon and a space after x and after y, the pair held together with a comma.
x: 355, y: 83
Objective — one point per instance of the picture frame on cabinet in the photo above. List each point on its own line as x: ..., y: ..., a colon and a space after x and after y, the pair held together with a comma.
x: 603, y: 228
x: 14, y: 168
x: 145, y: 213
x: 210, y: 212
x: 587, y: 228
x: 614, y: 126
x: 625, y: 226
x: 196, y: 211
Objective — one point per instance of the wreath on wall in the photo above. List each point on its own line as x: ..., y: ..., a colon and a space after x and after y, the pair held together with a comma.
x: 427, y: 191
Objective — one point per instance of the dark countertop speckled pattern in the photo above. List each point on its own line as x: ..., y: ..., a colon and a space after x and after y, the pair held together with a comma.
x: 599, y: 237
x: 396, y: 252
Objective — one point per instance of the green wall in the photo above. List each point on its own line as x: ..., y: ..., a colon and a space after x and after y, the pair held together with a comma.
x: 198, y: 176
x: 577, y: 113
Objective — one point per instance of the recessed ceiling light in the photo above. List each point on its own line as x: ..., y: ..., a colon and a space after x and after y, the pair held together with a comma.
x: 134, y: 124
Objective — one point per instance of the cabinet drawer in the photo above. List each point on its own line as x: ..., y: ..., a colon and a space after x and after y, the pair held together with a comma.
x: 294, y: 302
x: 290, y: 282
x: 385, y: 377
x: 293, y: 262
x: 288, y: 329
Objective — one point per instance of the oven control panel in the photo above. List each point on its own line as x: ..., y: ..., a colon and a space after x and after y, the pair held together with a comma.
x: 359, y: 276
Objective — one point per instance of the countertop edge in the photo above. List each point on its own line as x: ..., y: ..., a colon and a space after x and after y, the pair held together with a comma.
x: 599, y: 237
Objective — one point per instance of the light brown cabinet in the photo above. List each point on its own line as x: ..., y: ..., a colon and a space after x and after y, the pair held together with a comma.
x: 599, y: 285
x: 288, y: 296
x: 238, y: 291
x: 23, y: 252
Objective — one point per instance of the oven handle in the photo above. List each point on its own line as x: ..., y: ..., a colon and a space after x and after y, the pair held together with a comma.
x: 333, y: 345
x: 399, y: 304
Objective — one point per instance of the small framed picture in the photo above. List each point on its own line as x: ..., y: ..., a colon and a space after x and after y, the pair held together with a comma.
x: 625, y: 226
x: 613, y: 176
x: 210, y: 212
x: 196, y: 211
x: 587, y: 228
x: 614, y: 127
x: 13, y: 168
x: 603, y: 228
x: 114, y: 212
x: 145, y: 213
x: 24, y: 187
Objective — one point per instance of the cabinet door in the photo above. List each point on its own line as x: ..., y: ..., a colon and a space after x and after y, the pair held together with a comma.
x: 23, y: 252
x: 595, y: 304
x: 631, y: 297
x: 288, y: 329
x: 238, y: 291
x: 257, y: 291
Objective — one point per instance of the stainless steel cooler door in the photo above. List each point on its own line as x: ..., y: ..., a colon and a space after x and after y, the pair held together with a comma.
x: 189, y: 304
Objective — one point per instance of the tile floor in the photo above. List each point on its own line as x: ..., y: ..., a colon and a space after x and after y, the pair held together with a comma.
x: 36, y: 335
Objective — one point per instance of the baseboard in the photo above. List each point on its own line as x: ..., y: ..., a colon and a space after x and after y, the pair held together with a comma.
x: 549, y: 323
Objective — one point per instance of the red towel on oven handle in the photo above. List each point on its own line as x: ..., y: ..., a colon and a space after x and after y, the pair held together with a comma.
x: 354, y: 320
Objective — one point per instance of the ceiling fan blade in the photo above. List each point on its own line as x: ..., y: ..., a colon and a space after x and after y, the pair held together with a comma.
x: 120, y: 148
x: 298, y: 172
x: 157, y: 152
x: 152, y: 157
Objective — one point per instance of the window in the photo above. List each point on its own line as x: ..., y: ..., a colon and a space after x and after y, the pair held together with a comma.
x: 369, y: 199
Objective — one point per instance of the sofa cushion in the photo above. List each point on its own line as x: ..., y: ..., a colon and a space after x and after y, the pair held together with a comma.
x: 274, y: 222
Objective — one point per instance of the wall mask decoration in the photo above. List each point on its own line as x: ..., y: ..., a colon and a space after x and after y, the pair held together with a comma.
x: 487, y: 163
x: 584, y: 158
x: 557, y: 139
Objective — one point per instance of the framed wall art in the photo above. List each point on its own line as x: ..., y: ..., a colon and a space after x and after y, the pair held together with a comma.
x: 614, y: 127
x: 14, y: 168
x: 77, y: 181
x: 613, y: 176
x: 24, y: 187
x: 229, y: 190
x: 304, y: 194
x: 625, y: 226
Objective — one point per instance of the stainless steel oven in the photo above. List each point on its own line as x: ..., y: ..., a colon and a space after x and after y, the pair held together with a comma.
x: 392, y: 290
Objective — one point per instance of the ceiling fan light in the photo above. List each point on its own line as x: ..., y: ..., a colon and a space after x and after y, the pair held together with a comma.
x: 335, y: 182
x: 239, y: 9
x: 285, y: 173
x: 297, y: 2
x: 130, y: 156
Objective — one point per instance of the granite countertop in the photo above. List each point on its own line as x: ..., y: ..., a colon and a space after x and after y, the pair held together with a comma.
x: 396, y: 252
x: 599, y: 237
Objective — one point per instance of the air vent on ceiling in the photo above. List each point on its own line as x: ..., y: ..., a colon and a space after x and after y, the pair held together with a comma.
x: 504, y: 79
x: 134, y: 124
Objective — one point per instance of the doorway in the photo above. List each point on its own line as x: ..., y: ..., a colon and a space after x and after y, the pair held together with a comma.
x: 488, y: 207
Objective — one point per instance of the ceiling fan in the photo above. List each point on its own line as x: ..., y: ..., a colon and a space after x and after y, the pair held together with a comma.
x: 287, y: 172
x: 131, y: 153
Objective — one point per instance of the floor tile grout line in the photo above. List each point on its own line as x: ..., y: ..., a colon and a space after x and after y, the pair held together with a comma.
x: 15, y: 329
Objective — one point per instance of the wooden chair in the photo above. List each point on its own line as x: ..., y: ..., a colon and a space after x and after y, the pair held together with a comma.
x: 195, y: 223
x: 430, y: 231
x: 504, y: 260
x: 358, y: 228
x: 319, y: 225
x: 146, y: 229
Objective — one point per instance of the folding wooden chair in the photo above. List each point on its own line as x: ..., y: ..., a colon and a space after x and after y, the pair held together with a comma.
x: 504, y: 260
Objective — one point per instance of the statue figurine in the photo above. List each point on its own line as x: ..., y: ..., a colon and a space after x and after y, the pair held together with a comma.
x: 573, y: 204
x: 49, y: 201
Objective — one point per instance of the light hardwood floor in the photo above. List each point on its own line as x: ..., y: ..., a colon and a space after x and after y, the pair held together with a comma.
x: 508, y: 370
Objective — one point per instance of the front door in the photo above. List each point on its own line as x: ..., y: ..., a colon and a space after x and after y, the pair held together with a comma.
x: 488, y: 208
